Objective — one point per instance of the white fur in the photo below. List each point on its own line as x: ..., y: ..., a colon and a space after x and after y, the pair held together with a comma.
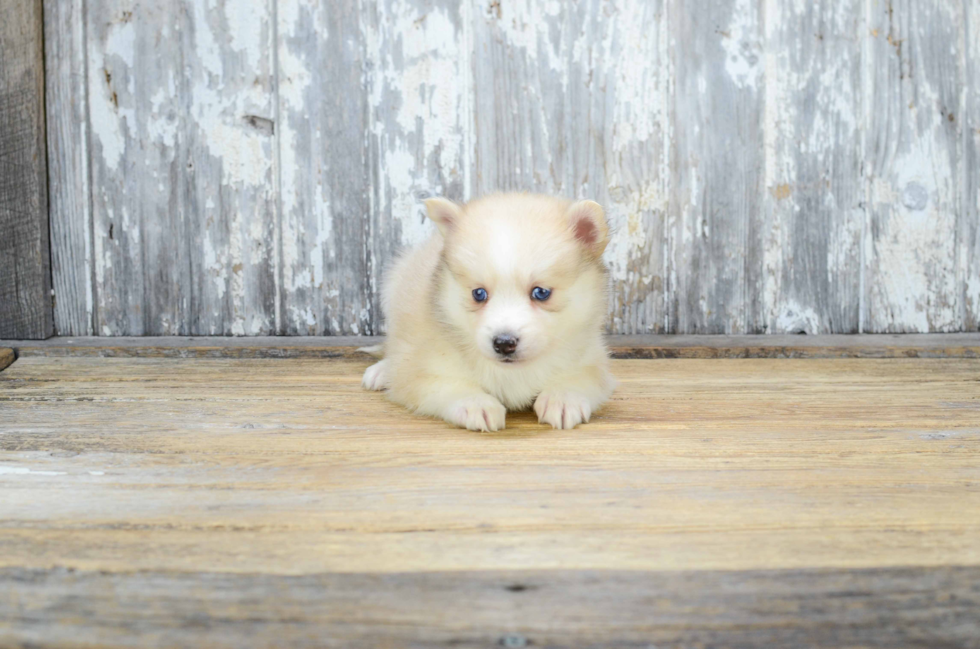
x: 439, y: 358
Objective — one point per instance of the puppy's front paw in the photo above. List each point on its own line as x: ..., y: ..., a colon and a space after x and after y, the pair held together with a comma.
x: 562, y: 409
x: 376, y: 376
x: 478, y: 412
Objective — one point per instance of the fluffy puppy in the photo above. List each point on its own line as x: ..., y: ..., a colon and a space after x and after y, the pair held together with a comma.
x: 501, y: 308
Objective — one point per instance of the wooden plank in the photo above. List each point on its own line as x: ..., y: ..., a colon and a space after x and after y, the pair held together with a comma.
x: 574, y: 101
x: 913, y: 153
x: 141, y: 270
x: 265, y: 466
x: 328, y: 279
x: 419, y: 78
x: 646, y: 346
x: 227, y: 147
x: 7, y: 357
x: 715, y: 230
x: 969, y: 221
x: 25, y: 266
x: 180, y: 101
x: 800, y: 608
x: 814, y: 187
x: 68, y: 173
x: 260, y: 502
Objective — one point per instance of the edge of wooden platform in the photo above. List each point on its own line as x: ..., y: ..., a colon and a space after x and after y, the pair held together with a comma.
x: 961, y: 345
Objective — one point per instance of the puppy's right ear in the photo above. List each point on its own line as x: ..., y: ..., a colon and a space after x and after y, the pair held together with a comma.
x: 444, y: 213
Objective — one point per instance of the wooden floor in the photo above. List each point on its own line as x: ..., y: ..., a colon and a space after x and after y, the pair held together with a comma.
x: 272, y: 502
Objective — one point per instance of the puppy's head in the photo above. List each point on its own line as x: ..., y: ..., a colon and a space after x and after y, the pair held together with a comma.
x: 521, y: 275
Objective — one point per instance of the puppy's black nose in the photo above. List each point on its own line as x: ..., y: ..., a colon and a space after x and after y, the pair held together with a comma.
x: 505, y: 344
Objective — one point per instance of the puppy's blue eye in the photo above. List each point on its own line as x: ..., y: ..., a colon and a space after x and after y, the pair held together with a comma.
x: 540, y: 294
x: 480, y: 294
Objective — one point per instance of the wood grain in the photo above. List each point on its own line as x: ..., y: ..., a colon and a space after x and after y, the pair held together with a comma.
x: 765, y: 167
x: 263, y: 502
x: 182, y: 167
x: 289, y: 467
x: 25, y: 264
x: 717, y: 182
x: 69, y: 187
x: 327, y: 285
x: 968, y: 252
x: 624, y: 347
x: 913, y: 156
x: 898, y: 607
x: 814, y: 199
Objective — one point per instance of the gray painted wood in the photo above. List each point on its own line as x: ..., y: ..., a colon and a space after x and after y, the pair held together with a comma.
x: 969, y: 230
x: 326, y: 275
x: 764, y: 165
x: 715, y: 235
x: 25, y: 272
x: 913, y: 157
x: 68, y: 166
x: 182, y: 152
x: 814, y: 190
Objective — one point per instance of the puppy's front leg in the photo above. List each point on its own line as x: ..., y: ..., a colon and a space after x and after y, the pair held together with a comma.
x: 572, y: 399
x: 461, y: 404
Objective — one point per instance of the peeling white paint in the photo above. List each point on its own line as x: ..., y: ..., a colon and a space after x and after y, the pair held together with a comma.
x: 742, y: 44
x: 17, y: 470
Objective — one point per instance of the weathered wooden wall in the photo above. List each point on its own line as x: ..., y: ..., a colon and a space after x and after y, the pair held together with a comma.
x: 25, y: 270
x: 248, y: 168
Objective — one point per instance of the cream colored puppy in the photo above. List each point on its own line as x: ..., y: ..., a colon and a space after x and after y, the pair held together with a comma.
x: 502, y: 308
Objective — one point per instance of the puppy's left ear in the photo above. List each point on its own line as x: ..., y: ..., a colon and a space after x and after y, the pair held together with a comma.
x: 588, y: 223
x: 444, y: 213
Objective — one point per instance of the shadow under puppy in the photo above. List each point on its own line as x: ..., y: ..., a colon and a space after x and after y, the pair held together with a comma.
x: 503, y: 307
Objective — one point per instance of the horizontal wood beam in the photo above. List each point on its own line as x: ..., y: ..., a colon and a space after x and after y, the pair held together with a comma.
x: 887, y: 607
x: 966, y: 345
x: 25, y: 270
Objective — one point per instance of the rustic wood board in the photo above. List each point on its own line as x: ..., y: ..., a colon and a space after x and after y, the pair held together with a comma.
x: 913, y: 153
x: 159, y: 500
x: 896, y: 607
x: 69, y: 187
x: 766, y: 167
x: 25, y: 268
x: 653, y: 346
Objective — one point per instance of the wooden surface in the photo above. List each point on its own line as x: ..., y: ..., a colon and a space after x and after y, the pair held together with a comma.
x: 25, y: 269
x: 648, y: 346
x: 767, y: 168
x: 241, y: 502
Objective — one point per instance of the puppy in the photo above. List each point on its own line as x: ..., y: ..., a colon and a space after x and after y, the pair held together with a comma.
x: 501, y: 308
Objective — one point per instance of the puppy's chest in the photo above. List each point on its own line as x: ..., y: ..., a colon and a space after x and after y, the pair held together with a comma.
x: 515, y: 388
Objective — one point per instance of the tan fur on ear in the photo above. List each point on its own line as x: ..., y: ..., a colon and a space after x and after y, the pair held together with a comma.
x: 588, y: 223
x: 444, y: 213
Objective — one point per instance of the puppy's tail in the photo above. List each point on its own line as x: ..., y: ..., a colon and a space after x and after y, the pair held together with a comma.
x: 378, y: 351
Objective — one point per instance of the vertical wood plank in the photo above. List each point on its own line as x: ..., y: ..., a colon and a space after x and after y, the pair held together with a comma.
x: 226, y: 174
x: 717, y: 177
x: 913, y: 90
x: 418, y: 85
x: 68, y: 174
x: 814, y: 187
x: 134, y: 68
x: 969, y: 231
x: 325, y: 190
x: 182, y: 148
x: 574, y: 100
x: 25, y: 271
